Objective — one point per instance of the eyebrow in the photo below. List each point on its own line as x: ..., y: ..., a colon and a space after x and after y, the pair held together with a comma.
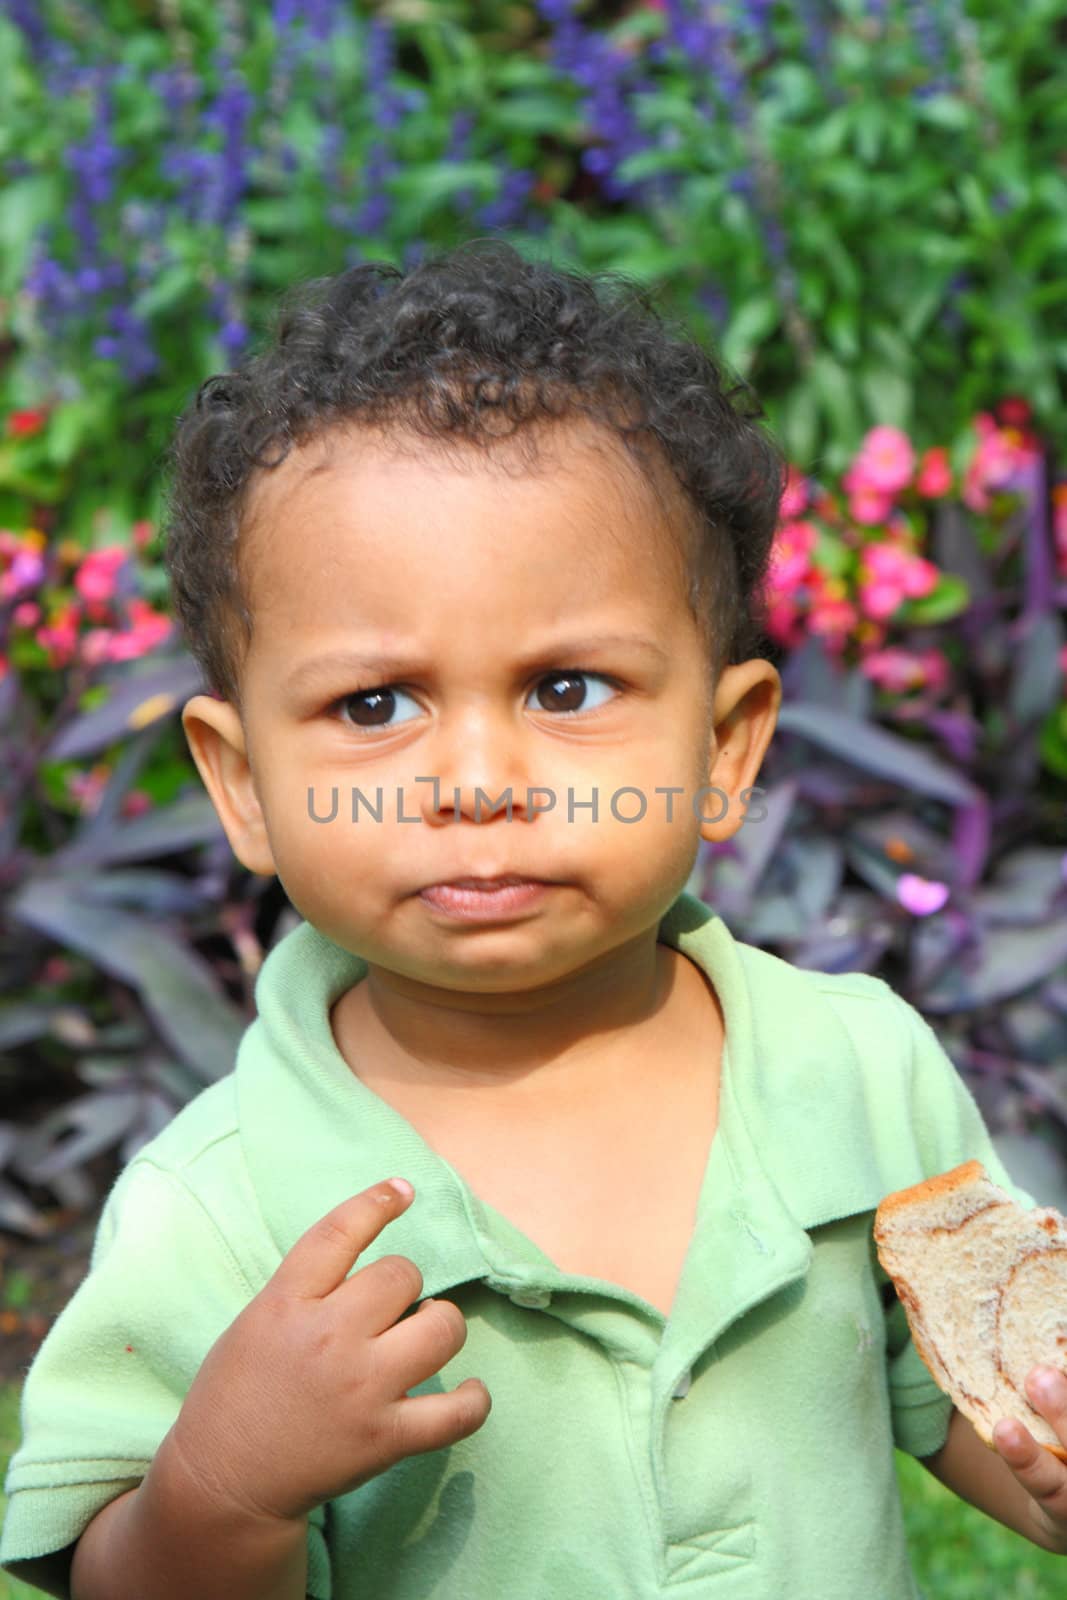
x: 386, y: 667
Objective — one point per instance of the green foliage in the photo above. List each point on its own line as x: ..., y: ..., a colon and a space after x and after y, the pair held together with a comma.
x: 919, y: 205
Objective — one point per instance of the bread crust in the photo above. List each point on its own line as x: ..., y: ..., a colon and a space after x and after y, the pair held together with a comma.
x: 900, y: 1231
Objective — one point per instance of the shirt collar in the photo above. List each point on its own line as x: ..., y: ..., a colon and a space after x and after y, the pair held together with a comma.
x: 313, y: 1133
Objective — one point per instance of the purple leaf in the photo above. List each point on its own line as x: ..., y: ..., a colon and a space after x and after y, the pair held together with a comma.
x: 733, y: 878
x: 98, y: 1120
x: 136, y: 699
x: 955, y: 548
x: 23, y: 1021
x: 876, y: 750
x: 156, y: 893
x: 1023, y: 889
x: 971, y: 840
x: 188, y: 820
x: 1006, y: 960
x: 1037, y: 676
x: 935, y: 942
x: 178, y: 988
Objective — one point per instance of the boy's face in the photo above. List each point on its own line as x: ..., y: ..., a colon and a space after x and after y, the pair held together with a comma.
x: 539, y: 640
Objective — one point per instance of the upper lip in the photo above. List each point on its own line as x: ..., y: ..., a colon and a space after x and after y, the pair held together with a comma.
x: 483, y: 882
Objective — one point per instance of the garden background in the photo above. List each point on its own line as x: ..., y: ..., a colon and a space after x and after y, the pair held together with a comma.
x: 862, y: 204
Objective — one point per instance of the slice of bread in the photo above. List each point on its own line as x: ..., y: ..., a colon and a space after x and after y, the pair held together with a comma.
x: 983, y: 1284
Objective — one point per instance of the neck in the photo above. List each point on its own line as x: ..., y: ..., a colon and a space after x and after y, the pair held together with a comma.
x: 407, y: 1031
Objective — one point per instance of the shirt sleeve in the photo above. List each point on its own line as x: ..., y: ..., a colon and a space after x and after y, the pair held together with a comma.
x: 109, y: 1378
x: 949, y: 1129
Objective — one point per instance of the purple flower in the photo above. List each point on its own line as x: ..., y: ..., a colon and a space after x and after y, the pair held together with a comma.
x: 920, y: 896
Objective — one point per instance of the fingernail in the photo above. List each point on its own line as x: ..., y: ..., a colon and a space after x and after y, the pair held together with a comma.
x: 1047, y: 1382
x: 402, y: 1186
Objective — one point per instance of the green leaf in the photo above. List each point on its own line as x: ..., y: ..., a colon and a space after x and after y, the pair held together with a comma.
x: 168, y: 288
x: 870, y: 117
x: 833, y: 386
x: 841, y: 323
x: 919, y: 308
x: 831, y: 555
x: 889, y: 397
x: 748, y: 326
x: 942, y: 111
x: 1052, y: 741
x: 794, y: 418
x: 829, y: 135
x: 951, y: 597
x: 538, y: 113
x: 429, y: 183
x: 25, y: 205
x: 70, y: 426
x: 654, y: 163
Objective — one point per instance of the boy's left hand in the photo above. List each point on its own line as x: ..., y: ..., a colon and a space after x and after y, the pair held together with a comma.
x: 1041, y: 1474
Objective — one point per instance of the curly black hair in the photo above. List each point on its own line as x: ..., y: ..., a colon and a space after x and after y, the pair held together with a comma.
x: 471, y: 344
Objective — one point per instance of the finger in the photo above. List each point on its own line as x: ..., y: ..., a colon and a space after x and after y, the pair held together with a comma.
x: 1042, y: 1476
x: 326, y: 1252
x: 379, y: 1293
x: 434, y: 1421
x: 420, y: 1345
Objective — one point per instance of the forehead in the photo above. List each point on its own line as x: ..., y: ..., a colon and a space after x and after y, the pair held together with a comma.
x: 574, y: 473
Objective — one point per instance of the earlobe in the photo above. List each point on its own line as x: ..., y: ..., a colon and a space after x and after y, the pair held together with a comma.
x: 216, y: 740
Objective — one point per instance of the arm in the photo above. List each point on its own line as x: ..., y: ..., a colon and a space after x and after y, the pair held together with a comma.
x: 166, y: 1540
x: 983, y: 1478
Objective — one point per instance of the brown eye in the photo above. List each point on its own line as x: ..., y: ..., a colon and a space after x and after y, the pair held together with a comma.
x: 372, y: 708
x: 567, y: 691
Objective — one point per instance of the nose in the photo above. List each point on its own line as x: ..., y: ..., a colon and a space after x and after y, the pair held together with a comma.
x: 478, y: 772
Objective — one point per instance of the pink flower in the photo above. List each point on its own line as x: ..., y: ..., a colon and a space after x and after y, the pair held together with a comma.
x: 25, y: 572
x: 142, y: 533
x: 784, y: 621
x: 879, y: 600
x: 795, y: 495
x: 995, y: 464
x: 921, y: 896
x: 59, y: 635
x: 790, y: 553
x: 94, y: 645
x: 86, y: 787
x: 869, y: 506
x: 137, y: 801
x: 149, y: 627
x: 95, y: 578
x: 890, y: 573
x: 897, y: 669
x: 935, y: 474
x: 886, y: 460
x: 1063, y: 659
x: 936, y: 667
x: 832, y: 619
x: 920, y: 577
x: 26, y: 613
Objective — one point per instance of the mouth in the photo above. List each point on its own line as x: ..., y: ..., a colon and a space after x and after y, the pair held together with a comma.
x: 503, y: 881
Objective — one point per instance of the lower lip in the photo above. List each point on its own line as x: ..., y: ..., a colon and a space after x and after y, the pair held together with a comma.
x: 483, y: 905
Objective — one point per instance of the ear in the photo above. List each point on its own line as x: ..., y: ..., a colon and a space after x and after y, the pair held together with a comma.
x: 216, y: 740
x: 745, y: 711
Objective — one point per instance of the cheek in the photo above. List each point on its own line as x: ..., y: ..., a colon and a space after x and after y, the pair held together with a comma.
x: 315, y: 843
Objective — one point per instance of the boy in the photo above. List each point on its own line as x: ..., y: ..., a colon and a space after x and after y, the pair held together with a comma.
x: 469, y: 624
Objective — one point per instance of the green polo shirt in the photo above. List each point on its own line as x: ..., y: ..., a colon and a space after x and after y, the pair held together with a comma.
x: 741, y: 1448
